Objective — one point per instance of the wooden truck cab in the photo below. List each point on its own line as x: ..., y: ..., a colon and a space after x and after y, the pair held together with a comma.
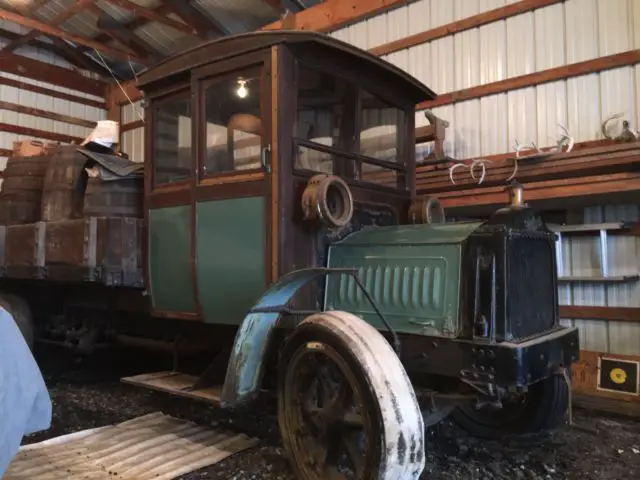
x: 235, y: 130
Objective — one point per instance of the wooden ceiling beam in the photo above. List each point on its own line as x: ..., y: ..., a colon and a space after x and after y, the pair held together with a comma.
x: 205, y: 27
x: 51, y: 30
x: 154, y: 16
x: 77, y: 58
x: 59, y: 48
x: 55, y: 21
x: 51, y: 48
x: 120, y: 33
x: 332, y: 14
x: 277, y: 5
x: 136, y: 23
x: 45, y: 72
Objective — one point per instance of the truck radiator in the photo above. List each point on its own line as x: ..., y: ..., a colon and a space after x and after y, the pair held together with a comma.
x: 531, y: 303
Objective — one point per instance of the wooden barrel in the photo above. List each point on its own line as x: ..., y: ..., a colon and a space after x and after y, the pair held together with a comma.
x: 64, y: 185
x: 22, y: 189
x: 116, y: 198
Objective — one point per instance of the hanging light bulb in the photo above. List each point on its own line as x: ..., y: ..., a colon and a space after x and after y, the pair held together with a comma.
x: 242, y: 91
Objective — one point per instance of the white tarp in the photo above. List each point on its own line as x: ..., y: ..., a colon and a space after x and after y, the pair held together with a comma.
x: 25, y: 405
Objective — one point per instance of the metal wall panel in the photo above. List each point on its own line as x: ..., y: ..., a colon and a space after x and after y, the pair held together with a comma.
x: 565, y: 33
x: 41, y: 101
x: 581, y: 256
x: 569, y: 32
x: 133, y: 140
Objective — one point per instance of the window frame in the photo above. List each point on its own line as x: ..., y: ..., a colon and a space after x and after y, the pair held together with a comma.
x: 208, y: 75
x: 202, y: 122
x: 181, y: 93
x: 402, y: 167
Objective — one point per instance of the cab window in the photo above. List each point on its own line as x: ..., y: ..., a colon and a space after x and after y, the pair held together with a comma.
x: 345, y: 130
x: 172, y: 159
x: 233, y: 124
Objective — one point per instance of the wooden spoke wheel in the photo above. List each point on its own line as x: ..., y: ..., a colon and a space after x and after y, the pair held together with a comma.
x: 324, y: 406
x: 335, y: 405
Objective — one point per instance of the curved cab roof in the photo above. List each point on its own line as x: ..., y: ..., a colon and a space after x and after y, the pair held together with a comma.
x: 236, y: 45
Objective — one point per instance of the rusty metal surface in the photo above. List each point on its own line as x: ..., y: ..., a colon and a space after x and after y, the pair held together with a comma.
x: 21, y: 251
x: 247, y: 361
x: 154, y: 446
x: 107, y: 250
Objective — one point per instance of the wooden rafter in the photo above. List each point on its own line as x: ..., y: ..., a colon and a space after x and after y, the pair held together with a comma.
x: 55, y: 21
x: 12, y: 36
x: 332, y: 14
x: 205, y: 27
x: 134, y: 24
x: 277, y: 5
x: 45, y: 72
x: 59, y: 47
x: 154, y: 16
x: 51, y: 30
x: 76, y: 57
x: 120, y: 33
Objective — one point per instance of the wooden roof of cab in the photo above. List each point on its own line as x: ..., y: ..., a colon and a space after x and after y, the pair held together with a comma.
x: 236, y: 45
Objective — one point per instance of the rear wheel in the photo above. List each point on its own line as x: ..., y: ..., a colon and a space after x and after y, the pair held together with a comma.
x: 538, y: 411
x: 19, y: 309
x: 343, y: 411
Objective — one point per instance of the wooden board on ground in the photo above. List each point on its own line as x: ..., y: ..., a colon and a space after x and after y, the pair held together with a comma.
x: 154, y: 446
x: 175, y: 383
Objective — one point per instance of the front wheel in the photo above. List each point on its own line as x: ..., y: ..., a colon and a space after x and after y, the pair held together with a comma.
x: 346, y: 408
x: 538, y: 411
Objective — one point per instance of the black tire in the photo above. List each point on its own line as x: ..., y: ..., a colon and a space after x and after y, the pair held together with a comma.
x: 314, y: 340
x: 19, y: 309
x: 542, y: 409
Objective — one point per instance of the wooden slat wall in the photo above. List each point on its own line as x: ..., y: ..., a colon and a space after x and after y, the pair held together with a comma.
x: 44, y: 98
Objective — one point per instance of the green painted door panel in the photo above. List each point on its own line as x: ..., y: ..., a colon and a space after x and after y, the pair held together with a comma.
x: 230, y: 260
x: 416, y: 287
x: 170, y: 259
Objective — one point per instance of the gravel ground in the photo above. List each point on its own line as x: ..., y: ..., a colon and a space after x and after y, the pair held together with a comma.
x: 88, y: 394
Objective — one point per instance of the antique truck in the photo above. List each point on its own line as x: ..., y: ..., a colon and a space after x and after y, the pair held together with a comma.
x: 282, y: 235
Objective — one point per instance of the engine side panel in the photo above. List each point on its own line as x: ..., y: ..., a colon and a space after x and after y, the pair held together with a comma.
x: 417, y: 287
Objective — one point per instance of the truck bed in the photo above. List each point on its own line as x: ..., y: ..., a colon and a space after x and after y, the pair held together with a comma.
x: 105, y: 250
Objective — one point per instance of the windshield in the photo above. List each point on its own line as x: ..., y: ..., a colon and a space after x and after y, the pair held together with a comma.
x: 345, y: 130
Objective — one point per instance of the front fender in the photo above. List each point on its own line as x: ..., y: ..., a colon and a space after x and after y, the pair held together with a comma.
x: 246, y: 364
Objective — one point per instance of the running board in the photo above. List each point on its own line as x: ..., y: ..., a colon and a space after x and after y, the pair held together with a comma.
x: 176, y: 383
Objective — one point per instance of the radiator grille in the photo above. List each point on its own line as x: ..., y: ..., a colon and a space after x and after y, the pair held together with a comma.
x: 531, y: 294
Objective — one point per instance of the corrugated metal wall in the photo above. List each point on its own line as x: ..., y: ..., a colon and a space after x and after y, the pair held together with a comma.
x: 133, y: 140
x: 42, y: 101
x: 560, y: 34
x: 581, y: 257
x: 553, y: 36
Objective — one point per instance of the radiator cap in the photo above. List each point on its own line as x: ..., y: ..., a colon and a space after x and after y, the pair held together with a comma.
x: 516, y: 196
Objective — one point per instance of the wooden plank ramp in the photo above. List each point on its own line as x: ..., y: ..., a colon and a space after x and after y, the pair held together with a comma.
x: 176, y: 383
x: 154, y: 446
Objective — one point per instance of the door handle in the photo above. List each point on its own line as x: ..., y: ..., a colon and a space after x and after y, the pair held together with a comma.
x: 263, y: 158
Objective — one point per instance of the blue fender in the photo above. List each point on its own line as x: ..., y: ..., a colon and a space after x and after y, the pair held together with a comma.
x: 246, y: 364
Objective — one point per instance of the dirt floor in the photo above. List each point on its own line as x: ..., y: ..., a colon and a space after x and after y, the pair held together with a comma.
x: 88, y: 394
